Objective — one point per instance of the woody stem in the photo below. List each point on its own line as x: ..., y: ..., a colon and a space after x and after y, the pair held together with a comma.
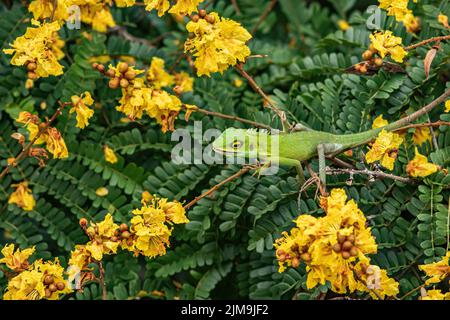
x: 27, y: 148
x: 427, y: 41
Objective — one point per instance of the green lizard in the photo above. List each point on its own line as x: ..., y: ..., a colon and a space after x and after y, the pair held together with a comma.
x: 294, y: 147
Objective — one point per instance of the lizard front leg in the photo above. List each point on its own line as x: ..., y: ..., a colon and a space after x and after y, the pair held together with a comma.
x: 322, y: 150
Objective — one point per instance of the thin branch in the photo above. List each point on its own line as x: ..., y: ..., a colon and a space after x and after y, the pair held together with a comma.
x: 254, y: 85
x: 217, y: 186
x: 27, y: 148
x: 427, y: 41
x: 264, y: 15
x: 102, y: 280
x: 427, y: 124
x: 236, y: 7
x: 126, y: 35
x: 380, y: 174
x: 229, y: 117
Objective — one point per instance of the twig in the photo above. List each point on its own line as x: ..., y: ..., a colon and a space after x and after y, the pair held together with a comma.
x: 381, y: 174
x: 427, y: 124
x: 102, y: 280
x: 226, y: 116
x: 126, y: 35
x: 254, y: 85
x: 42, y: 129
x: 55, y: 4
x: 236, y: 7
x: 264, y: 15
x: 340, y: 162
x: 427, y: 41
x: 217, y: 186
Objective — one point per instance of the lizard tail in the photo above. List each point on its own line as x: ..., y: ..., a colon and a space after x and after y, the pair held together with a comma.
x: 356, y: 139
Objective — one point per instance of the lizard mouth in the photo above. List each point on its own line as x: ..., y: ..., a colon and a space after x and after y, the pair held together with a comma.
x: 227, y: 153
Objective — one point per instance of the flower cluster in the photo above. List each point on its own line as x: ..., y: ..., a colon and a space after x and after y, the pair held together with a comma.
x: 39, y: 280
x: 148, y: 235
x: 334, y: 249
x: 385, y: 149
x: 145, y: 95
x: 81, y: 108
x: 437, y: 272
x: 399, y: 9
x: 216, y: 43
x: 49, y: 135
x: 39, y: 49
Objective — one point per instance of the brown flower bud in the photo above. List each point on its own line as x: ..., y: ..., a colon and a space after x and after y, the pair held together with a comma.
x: 354, y: 251
x: 110, y: 73
x: 83, y: 222
x: 210, y: 18
x: 123, y: 227
x: 341, y: 238
x: 345, y: 255
x: 60, y: 286
x: 126, y: 234
x: 52, y: 288
x: 130, y: 75
x: 32, y: 75
x: 101, y: 68
x: 367, y: 55
x: 295, y: 262
x: 123, y: 67
x: 94, y: 65
x: 202, y: 13
x: 48, y: 293
x: 31, y: 66
x: 124, y: 83
x: 306, y: 257
x: 347, y: 245
x: 363, y: 69
x: 48, y: 280
x: 378, y: 62
x: 337, y: 248
x: 114, y: 83
x: 195, y: 18
x: 351, y: 238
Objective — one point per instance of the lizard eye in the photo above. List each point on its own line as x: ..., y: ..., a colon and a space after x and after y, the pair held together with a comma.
x: 236, y: 144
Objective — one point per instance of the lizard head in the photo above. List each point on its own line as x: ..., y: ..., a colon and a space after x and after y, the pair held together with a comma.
x: 240, y: 142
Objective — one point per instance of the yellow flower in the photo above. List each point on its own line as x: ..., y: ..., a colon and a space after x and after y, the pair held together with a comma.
x: 22, y: 197
x: 420, y: 167
x: 43, y: 9
x: 237, y: 82
x: 421, y: 135
x: 437, y: 271
x: 411, y: 23
x: 102, y: 192
x: 56, y: 144
x: 104, y: 239
x: 40, y: 45
x: 44, y: 280
x: 80, y: 106
x: 185, y: 7
x: 182, y: 7
x: 184, y: 82
x: 146, y: 197
x: 163, y: 107
x: 124, y: 3
x: 16, y: 260
x: 174, y: 211
x: 79, y: 260
x: 151, y: 234
x: 379, y: 122
x: 161, y: 5
x: 110, y: 156
x: 443, y: 19
x: 343, y: 25
x: 135, y: 99
x: 435, y: 295
x: 387, y: 44
x: 396, y: 8
x: 447, y: 106
x: 157, y: 76
x: 334, y: 248
x: 217, y: 45
x: 385, y: 149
